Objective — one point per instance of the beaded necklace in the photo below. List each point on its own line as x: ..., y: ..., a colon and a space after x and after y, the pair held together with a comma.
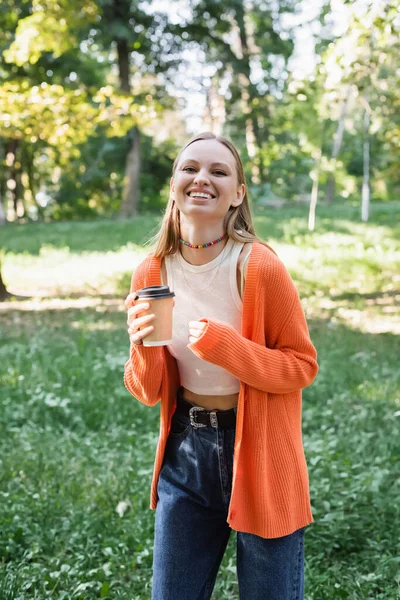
x: 203, y: 245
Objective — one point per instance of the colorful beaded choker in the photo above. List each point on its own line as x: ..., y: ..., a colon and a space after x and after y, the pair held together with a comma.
x: 203, y: 245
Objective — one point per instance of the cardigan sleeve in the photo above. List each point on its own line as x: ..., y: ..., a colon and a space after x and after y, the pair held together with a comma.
x: 143, y: 371
x: 289, y: 366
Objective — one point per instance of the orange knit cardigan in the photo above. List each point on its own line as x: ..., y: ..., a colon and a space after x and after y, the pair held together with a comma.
x: 274, y: 359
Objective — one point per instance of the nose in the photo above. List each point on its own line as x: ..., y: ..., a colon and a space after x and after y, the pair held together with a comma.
x: 201, y: 177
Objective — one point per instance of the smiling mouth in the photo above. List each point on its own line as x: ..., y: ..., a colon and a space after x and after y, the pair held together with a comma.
x: 195, y: 197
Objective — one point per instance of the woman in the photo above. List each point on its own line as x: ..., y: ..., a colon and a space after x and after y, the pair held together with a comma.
x: 230, y: 452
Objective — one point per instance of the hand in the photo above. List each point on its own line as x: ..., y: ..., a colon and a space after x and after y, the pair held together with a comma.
x: 196, y: 330
x: 136, y: 329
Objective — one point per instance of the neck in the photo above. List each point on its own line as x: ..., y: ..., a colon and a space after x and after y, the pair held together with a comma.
x: 201, y: 256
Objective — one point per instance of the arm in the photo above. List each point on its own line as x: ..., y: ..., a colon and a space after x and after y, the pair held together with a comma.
x: 288, y: 366
x: 143, y: 371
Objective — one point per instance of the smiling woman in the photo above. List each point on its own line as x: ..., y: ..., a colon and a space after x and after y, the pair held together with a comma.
x: 230, y: 454
x: 213, y: 184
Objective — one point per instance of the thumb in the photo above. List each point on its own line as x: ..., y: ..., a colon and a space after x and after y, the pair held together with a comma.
x: 130, y: 300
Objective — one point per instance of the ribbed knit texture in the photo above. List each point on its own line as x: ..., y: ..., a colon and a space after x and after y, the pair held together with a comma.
x: 274, y: 359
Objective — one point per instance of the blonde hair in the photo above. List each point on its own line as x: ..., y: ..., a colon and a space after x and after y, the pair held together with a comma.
x: 238, y: 222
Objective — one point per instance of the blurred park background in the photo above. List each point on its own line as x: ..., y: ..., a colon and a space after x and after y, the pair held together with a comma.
x: 96, y: 99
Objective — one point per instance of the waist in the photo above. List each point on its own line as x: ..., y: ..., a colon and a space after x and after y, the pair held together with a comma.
x: 214, y: 402
x: 201, y: 417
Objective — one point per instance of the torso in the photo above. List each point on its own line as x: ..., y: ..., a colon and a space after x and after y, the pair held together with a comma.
x: 216, y: 402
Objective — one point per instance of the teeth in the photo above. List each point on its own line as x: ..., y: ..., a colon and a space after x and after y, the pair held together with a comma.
x: 199, y: 195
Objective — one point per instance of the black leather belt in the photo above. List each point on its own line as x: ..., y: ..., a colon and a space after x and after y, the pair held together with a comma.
x: 201, y: 417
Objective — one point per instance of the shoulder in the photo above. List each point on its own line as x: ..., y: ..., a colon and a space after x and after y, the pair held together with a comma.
x: 263, y: 257
x: 143, y: 270
x: 272, y: 272
x: 147, y: 263
x: 260, y: 254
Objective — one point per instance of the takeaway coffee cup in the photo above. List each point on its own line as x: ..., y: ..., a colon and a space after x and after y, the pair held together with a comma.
x: 161, y: 301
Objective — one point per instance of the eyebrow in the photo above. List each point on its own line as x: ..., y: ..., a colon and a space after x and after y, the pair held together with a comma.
x: 214, y: 164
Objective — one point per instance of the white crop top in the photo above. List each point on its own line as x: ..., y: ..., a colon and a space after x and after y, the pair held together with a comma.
x: 220, y: 300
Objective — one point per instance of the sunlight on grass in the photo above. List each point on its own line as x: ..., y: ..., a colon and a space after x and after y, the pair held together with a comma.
x: 58, y: 272
x: 100, y: 326
x: 349, y: 275
x: 45, y: 304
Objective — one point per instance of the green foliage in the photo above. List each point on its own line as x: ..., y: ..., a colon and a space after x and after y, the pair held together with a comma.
x: 63, y: 105
x: 92, y: 185
x: 291, y: 173
x: 52, y: 27
x: 45, y: 112
x: 366, y: 57
x: 61, y: 98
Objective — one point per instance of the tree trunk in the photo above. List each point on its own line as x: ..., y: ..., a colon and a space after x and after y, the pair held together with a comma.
x: 131, y: 191
x: 3, y: 217
x: 365, y: 185
x: 337, y: 143
x: 131, y: 194
x: 3, y: 187
x: 314, y: 192
x: 13, y: 185
x: 123, y: 65
x: 246, y: 94
x: 27, y: 159
x: 3, y: 200
x: 215, y: 108
x: 4, y: 293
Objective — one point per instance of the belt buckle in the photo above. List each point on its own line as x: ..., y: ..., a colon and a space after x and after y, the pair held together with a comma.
x: 192, y: 416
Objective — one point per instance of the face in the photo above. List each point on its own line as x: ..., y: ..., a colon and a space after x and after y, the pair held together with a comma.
x: 207, y: 168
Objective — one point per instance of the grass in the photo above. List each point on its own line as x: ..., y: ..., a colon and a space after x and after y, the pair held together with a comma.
x: 77, y: 451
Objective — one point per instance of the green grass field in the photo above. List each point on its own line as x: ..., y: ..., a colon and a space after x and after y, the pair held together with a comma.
x: 77, y: 451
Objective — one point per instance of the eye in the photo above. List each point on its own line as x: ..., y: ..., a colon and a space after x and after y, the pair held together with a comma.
x: 186, y: 168
x: 220, y: 172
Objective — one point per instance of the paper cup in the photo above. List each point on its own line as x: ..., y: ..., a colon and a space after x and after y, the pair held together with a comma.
x: 161, y: 300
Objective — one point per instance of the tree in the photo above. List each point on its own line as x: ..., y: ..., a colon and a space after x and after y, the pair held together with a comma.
x: 366, y: 58
x: 337, y: 144
x: 246, y: 45
x: 73, y: 80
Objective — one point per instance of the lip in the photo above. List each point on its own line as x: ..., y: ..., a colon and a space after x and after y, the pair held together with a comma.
x: 201, y: 200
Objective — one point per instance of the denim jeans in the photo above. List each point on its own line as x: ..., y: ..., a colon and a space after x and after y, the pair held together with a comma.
x: 191, y: 531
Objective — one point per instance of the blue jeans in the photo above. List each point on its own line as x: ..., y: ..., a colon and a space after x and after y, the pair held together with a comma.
x: 191, y: 531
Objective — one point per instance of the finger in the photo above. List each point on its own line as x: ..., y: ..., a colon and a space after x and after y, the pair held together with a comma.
x: 195, y: 324
x: 139, y: 335
x: 134, y: 310
x: 140, y: 321
x: 195, y: 333
x: 129, y: 299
